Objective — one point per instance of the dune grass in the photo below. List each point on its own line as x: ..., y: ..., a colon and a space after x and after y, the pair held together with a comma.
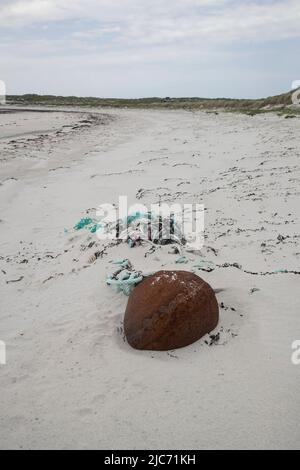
x: 280, y: 103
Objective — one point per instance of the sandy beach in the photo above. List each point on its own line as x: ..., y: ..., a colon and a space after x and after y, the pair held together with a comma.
x: 70, y: 379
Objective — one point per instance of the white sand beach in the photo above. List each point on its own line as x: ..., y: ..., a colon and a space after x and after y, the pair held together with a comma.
x: 70, y: 379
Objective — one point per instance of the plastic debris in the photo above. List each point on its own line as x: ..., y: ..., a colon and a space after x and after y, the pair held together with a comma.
x: 138, y: 227
x: 151, y: 227
x: 125, y: 281
x: 147, y: 227
x: 83, y: 223
x: 136, y: 216
x: 125, y: 278
x: 124, y: 263
x: 95, y: 228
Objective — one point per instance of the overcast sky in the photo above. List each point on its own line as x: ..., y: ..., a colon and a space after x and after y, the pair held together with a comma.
x: 137, y: 48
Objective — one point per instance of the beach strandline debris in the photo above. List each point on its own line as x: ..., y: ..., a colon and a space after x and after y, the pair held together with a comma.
x: 125, y: 278
x: 88, y: 222
x: 181, y: 260
x: 11, y: 281
x: 136, y: 228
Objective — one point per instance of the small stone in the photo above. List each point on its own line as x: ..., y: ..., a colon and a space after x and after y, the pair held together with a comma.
x: 170, y: 310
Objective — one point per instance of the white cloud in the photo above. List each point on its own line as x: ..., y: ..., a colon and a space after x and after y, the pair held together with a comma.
x: 153, y: 21
x: 135, y: 35
x: 162, y: 21
x: 29, y: 11
x: 143, y: 23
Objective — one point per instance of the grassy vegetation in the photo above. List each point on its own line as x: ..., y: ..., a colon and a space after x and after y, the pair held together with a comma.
x: 278, y: 103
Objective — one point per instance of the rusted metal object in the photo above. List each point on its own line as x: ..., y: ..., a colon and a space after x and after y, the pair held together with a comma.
x: 169, y: 310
